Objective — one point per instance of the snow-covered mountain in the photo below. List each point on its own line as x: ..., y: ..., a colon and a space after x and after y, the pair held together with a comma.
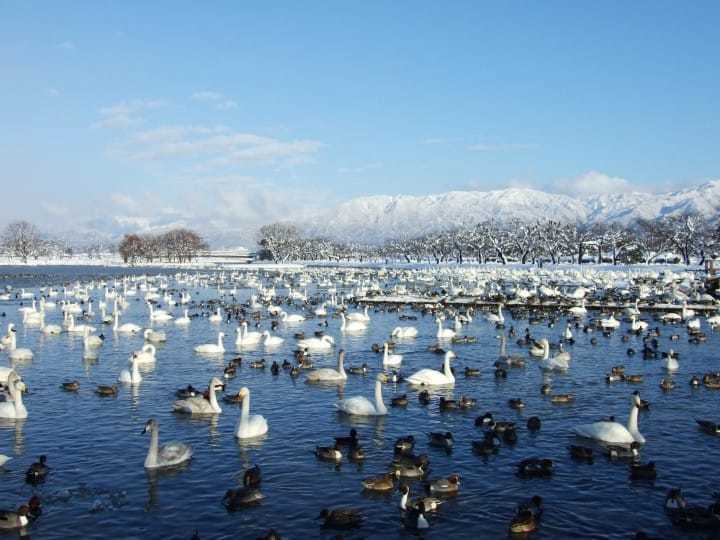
x: 376, y: 218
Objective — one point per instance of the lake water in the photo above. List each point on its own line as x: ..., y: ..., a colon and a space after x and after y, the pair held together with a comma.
x: 97, y: 486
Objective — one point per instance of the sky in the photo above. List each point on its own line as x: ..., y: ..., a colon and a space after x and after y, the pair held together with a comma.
x: 124, y: 116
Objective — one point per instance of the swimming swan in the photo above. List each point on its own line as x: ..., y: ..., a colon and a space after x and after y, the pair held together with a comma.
x: 362, y: 406
x: 247, y: 338
x: 330, y: 374
x: 249, y: 426
x: 146, y: 355
x: 614, y: 432
x: 212, y: 348
x: 184, y: 320
x: 198, y: 404
x: 391, y: 360
x: 404, y: 332
x: 324, y: 343
x: 127, y: 328
x: 351, y: 326
x: 132, y: 376
x: 431, y: 377
x: 16, y: 354
x: 560, y: 362
x: 14, y: 408
x: 362, y: 317
x: 169, y: 454
x: 444, y: 333
x: 272, y: 341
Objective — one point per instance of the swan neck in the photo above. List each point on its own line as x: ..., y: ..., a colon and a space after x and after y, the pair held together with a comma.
x: 632, y: 424
x: 379, y: 405
x: 341, y: 367
x: 152, y: 455
x: 245, y: 413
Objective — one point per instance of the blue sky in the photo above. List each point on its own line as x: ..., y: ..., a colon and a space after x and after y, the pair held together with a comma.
x: 129, y: 114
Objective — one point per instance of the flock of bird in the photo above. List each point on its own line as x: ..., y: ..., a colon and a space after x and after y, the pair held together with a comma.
x: 340, y: 302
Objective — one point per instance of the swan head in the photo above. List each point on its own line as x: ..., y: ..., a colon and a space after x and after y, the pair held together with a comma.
x: 635, y: 399
x: 150, y: 426
x: 449, y: 355
x: 217, y: 384
x: 244, y: 392
x: 221, y: 335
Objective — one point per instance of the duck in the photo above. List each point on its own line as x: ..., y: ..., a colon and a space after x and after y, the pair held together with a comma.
x: 643, y: 471
x: 105, y: 390
x: 358, y: 370
x: 527, y: 516
x: 38, y: 471
x: 431, y: 504
x: 534, y: 423
x: 249, y: 426
x: 691, y: 517
x: 516, y: 403
x: 330, y: 375
x: 383, y: 483
x: 328, y: 453
x: 711, y: 428
x: 361, y: 406
x: 562, y: 398
x: 212, y: 348
x: 441, y: 440
x: 70, y: 386
x: 168, y: 455
x: 581, y: 453
x: 17, y: 519
x: 341, y: 518
x: 431, y: 377
x: 613, y: 432
x: 489, y: 445
x: 252, y: 477
x: 399, y: 401
x: 198, y: 405
x: 350, y: 440
x: 535, y: 468
x: 236, y: 499
x: 623, y: 452
x: 445, y: 486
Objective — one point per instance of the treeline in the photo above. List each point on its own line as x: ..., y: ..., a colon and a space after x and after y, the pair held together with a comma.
x: 669, y: 239
x: 24, y: 241
x: 176, y: 245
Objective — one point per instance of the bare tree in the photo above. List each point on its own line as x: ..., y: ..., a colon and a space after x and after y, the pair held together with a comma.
x: 22, y: 239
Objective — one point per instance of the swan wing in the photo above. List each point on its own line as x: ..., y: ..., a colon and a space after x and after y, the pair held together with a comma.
x: 609, y: 432
x: 174, y: 452
x: 324, y: 374
x: 358, y: 405
x: 428, y: 377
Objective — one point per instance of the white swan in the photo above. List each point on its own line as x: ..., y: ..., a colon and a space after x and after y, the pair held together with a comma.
x: 362, y: 317
x: 330, y: 374
x: 351, y: 326
x: 272, y: 341
x: 579, y: 311
x: 431, y: 377
x: 496, y: 318
x: 362, y: 406
x: 49, y: 329
x: 249, y: 426
x: 169, y: 454
x: 7, y: 338
x: 91, y: 342
x: 324, y: 343
x: 146, y: 355
x: 404, y: 332
x: 637, y: 326
x: 614, y: 432
x: 567, y: 334
x: 184, y: 320
x: 159, y: 315
x: 18, y: 355
x: 687, y: 313
x: 671, y: 363
x: 132, y: 376
x: 127, y: 328
x: 154, y: 336
x: 14, y: 407
x: 391, y: 360
x: 215, y: 317
x: 78, y: 328
x: 443, y: 333
x: 294, y: 318
x: 247, y: 338
x: 610, y: 323
x: 212, y: 348
x: 200, y: 405
x: 559, y: 362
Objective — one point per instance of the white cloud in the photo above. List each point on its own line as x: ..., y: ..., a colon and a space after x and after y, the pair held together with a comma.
x: 126, y: 113
x: 361, y: 168
x: 595, y: 183
x: 217, y: 99
x: 502, y: 147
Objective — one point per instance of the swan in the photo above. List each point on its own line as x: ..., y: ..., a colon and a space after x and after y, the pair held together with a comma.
x: 362, y: 317
x: 184, y: 320
x: 613, y: 432
x: 496, y: 318
x: 560, y: 362
x: 404, y: 332
x: 127, y: 328
x: 671, y: 317
x: 154, y: 336
x: 693, y: 324
x: 14, y: 408
x: 169, y: 454
x: 78, y: 328
x: 444, y: 333
x: 637, y: 326
x: 687, y: 313
x: 159, y: 315
x: 431, y: 377
x: 247, y: 338
x: 351, y: 326
x: 634, y: 310
x: 33, y: 318
x: 215, y: 317
x: 321, y: 311
x: 294, y: 318
x: 272, y: 341
x: 330, y: 374
x: 91, y: 342
x: 200, y: 405
x: 16, y: 354
x: 132, y: 376
x: 671, y: 363
x: 611, y: 323
x: 249, y: 426
x: 7, y: 338
x: 391, y: 360
x: 146, y: 355
x: 212, y: 348
x: 567, y: 334
x: 324, y: 343
x: 28, y: 309
x: 49, y: 329
x: 362, y: 406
